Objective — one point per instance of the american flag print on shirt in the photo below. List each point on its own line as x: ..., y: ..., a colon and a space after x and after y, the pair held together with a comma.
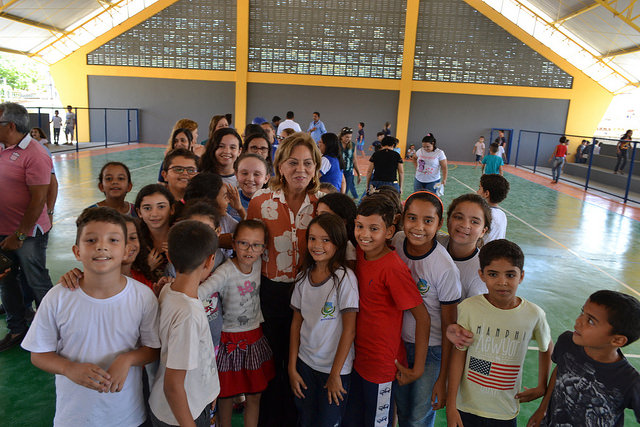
x: 492, y: 375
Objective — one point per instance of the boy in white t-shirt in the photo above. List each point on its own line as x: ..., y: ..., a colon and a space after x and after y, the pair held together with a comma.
x: 494, y: 189
x: 478, y: 151
x: 485, y: 378
x: 57, y: 124
x: 96, y: 339
x: 187, y: 379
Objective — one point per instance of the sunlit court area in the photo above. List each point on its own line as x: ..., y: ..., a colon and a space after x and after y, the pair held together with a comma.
x: 547, y: 92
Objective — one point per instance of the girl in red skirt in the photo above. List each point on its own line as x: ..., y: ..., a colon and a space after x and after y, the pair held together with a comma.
x: 245, y: 363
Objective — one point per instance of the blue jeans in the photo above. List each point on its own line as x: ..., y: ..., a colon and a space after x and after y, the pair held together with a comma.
x: 29, y: 260
x: 314, y: 410
x: 414, y: 400
x: 429, y: 186
x: 556, y: 168
x: 351, y: 186
x: 378, y: 184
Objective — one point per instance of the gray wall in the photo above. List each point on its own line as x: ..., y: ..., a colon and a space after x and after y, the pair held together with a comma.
x: 161, y: 102
x: 458, y: 120
x: 338, y: 107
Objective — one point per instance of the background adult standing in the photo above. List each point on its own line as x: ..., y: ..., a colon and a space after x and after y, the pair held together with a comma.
x: 349, y: 161
x: 289, y: 123
x: 25, y: 168
x: 69, y: 126
x: 431, y: 165
x: 286, y: 208
x: 621, y: 151
x: 316, y: 127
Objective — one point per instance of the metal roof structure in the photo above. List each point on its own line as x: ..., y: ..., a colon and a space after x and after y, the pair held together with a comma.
x: 601, y: 37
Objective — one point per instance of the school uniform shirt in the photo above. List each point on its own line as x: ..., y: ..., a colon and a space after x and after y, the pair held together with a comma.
x: 479, y: 148
x: 386, y: 289
x: 186, y: 345
x: 437, y: 279
x: 590, y: 393
x: 240, y: 295
x: 498, y: 229
x: 330, y: 171
x: 84, y: 329
x: 385, y: 163
x: 321, y: 306
x: 470, y: 281
x: 493, y: 367
x: 428, y: 164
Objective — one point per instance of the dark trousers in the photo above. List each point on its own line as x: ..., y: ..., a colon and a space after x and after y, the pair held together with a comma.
x: 622, y: 161
x: 277, y: 407
x: 471, y: 420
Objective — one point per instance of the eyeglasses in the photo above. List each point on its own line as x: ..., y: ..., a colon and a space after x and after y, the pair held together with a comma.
x: 246, y: 245
x: 255, y: 149
x: 182, y: 169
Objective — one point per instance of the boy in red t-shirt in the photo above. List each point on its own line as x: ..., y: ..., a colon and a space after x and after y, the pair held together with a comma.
x: 386, y: 290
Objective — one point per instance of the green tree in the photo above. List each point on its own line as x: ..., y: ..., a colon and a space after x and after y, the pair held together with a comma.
x: 18, y: 72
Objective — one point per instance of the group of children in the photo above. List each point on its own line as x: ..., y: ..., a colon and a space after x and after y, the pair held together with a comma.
x: 388, y: 311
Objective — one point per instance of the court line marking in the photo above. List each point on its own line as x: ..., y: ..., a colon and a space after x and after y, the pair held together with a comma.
x: 64, y: 218
x: 94, y: 180
x: 577, y: 255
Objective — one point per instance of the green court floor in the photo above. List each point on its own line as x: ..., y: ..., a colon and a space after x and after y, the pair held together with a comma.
x: 572, y: 249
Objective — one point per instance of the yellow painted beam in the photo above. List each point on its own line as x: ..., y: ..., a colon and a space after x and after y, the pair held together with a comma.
x: 575, y: 13
x: 492, y: 90
x: 406, y: 82
x: 161, y: 73
x: 31, y: 23
x: 330, y: 81
x: 8, y: 4
x: 242, y: 63
x: 626, y: 18
x: 15, y: 52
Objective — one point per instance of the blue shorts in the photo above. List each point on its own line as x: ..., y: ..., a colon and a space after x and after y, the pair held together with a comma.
x: 478, y: 158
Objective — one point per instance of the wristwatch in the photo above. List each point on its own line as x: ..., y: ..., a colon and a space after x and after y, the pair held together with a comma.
x: 21, y: 236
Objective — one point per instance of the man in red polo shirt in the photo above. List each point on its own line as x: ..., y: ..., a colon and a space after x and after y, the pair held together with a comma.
x: 25, y: 174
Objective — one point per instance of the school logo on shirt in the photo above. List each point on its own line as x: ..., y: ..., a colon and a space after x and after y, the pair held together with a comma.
x: 14, y: 156
x: 423, y: 286
x: 328, y: 310
x: 247, y: 288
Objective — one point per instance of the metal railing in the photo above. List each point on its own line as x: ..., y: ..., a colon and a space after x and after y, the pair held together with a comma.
x: 535, y: 147
x: 108, y: 126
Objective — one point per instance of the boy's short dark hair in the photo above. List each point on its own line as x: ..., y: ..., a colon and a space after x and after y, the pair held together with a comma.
x: 362, y: 124
x: 378, y: 204
x: 289, y: 114
x: 190, y: 243
x: 379, y: 133
x: 100, y: 214
x: 388, y: 141
x: 501, y: 249
x: 496, y: 185
x: 623, y: 312
x: 201, y: 207
x: 178, y: 152
x: 493, y: 148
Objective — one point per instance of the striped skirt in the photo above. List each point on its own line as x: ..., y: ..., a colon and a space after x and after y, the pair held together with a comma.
x: 245, y: 362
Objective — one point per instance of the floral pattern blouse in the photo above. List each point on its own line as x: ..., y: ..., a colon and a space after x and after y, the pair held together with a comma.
x: 287, y: 242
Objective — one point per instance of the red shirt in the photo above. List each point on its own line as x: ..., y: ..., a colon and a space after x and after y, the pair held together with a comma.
x: 386, y: 290
x: 22, y: 165
x: 561, y: 150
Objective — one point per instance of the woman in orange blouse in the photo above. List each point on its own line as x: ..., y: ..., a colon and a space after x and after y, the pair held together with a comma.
x: 286, y: 208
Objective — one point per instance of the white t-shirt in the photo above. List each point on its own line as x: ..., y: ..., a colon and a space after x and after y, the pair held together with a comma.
x: 321, y: 306
x: 428, y: 164
x: 479, y: 148
x: 438, y: 281
x: 500, y: 151
x: 186, y: 345
x: 288, y: 124
x: 89, y: 330
x: 57, y: 122
x: 498, y: 228
x: 240, y: 295
x: 470, y: 280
